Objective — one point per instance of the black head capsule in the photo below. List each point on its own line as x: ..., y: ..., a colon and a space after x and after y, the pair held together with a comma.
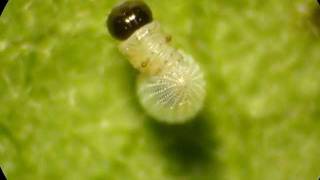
x: 128, y: 17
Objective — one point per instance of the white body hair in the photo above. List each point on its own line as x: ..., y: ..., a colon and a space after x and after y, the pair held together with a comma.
x: 171, y: 85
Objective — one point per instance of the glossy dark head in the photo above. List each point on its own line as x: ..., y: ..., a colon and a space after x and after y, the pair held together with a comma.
x: 128, y: 17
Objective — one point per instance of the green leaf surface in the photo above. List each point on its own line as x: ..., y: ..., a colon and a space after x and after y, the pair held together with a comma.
x: 68, y: 106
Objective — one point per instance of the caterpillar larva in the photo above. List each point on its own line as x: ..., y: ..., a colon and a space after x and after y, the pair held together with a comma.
x: 171, y: 85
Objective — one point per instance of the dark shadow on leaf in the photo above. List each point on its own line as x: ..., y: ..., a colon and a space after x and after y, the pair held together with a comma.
x: 189, y: 148
x: 315, y: 18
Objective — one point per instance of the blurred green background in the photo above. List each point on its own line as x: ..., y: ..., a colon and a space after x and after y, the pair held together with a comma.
x: 68, y: 107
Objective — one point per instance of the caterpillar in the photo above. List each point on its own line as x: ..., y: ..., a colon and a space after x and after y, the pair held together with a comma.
x: 171, y: 87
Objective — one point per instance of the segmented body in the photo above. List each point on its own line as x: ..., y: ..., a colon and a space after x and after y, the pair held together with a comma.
x: 171, y: 86
x: 148, y: 49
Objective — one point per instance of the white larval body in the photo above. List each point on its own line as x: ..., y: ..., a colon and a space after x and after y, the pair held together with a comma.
x: 171, y: 85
